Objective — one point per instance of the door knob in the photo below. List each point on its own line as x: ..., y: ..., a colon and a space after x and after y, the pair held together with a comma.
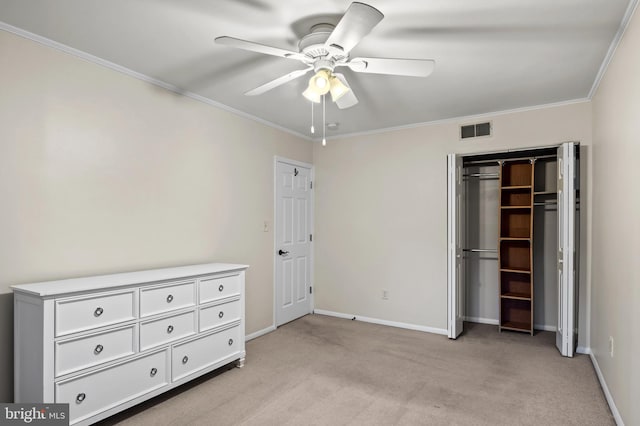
x: 282, y: 253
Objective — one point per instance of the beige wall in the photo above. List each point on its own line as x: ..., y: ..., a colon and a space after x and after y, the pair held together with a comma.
x: 102, y: 173
x: 381, y: 212
x: 616, y: 226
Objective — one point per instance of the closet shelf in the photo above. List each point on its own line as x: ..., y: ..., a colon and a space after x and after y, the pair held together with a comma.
x: 507, y: 188
x: 516, y: 326
x: 516, y: 207
x: 516, y: 271
x: 516, y: 296
x: 515, y: 239
x: 545, y: 193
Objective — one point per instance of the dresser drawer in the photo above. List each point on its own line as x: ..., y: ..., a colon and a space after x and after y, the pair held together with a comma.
x: 167, y: 298
x: 99, y: 391
x: 78, y: 314
x: 188, y: 358
x: 212, y: 288
x: 76, y: 354
x: 164, y: 330
x: 213, y: 316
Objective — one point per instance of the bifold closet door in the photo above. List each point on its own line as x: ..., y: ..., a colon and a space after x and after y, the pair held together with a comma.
x: 455, y: 242
x: 565, y: 334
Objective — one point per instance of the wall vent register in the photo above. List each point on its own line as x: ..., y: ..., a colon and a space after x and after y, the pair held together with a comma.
x: 475, y: 130
x: 103, y: 344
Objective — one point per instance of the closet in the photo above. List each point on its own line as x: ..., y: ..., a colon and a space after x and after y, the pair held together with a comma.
x: 509, y: 241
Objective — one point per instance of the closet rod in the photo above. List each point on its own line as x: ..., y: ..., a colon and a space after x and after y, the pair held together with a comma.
x: 481, y: 250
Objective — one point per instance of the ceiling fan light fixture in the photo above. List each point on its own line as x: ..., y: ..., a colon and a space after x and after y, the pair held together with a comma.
x: 312, y: 95
x: 320, y: 82
x: 339, y: 86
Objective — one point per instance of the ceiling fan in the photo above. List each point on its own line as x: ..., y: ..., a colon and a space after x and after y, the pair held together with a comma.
x: 326, y: 48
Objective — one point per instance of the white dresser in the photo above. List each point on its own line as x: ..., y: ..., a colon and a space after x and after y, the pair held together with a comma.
x: 105, y: 343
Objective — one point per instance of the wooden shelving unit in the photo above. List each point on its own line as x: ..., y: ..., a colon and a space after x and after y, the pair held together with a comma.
x: 515, y: 253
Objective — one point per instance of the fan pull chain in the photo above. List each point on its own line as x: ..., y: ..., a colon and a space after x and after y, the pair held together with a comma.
x: 313, y: 130
x: 324, y: 121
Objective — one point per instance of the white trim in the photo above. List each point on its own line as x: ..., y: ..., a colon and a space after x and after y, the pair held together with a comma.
x: 131, y: 73
x: 479, y: 320
x: 612, y: 405
x: 628, y: 14
x: 491, y: 321
x: 458, y: 119
x: 583, y: 350
x: 259, y: 333
x: 442, y: 331
x: 278, y: 159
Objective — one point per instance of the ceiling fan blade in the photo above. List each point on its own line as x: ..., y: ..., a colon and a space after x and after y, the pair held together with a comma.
x: 405, y: 67
x: 357, y: 22
x: 260, y: 48
x: 278, y: 82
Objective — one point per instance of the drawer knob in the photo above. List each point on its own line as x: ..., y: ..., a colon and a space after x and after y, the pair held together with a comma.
x: 221, y: 314
x: 220, y: 287
x: 185, y: 359
x: 230, y: 342
x: 98, y: 311
x: 170, y: 329
x: 170, y: 298
x: 80, y: 397
x: 153, y: 372
x: 98, y: 349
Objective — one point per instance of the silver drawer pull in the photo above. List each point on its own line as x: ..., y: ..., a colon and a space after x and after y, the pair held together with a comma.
x: 230, y: 342
x: 98, y: 312
x: 221, y: 314
x: 153, y: 372
x: 98, y: 349
x: 80, y: 397
x: 170, y: 329
x: 220, y: 287
x: 185, y: 359
x: 170, y: 298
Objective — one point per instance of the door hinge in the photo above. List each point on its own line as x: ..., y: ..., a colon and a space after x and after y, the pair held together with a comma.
x: 310, y: 290
x: 311, y: 237
x: 311, y: 184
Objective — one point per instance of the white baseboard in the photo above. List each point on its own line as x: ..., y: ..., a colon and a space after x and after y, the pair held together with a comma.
x: 405, y: 325
x: 605, y: 389
x: 480, y: 320
x: 492, y: 321
x: 583, y: 350
x: 259, y: 333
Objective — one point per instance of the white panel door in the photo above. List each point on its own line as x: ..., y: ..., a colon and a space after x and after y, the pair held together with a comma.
x: 292, y: 241
x: 455, y: 242
x: 565, y: 334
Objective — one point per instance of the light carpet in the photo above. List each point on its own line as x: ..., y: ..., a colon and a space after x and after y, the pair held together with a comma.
x: 320, y: 370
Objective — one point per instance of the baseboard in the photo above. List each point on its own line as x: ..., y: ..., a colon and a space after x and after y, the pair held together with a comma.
x: 583, y: 350
x: 259, y: 333
x: 480, y: 320
x: 605, y: 389
x: 491, y: 321
x: 405, y: 325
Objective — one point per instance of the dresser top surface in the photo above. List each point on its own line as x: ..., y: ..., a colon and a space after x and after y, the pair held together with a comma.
x: 114, y: 281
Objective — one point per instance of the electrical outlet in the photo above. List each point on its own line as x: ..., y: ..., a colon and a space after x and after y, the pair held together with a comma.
x: 385, y: 294
x: 611, y: 346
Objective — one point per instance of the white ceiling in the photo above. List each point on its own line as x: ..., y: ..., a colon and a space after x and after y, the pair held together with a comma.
x: 491, y: 55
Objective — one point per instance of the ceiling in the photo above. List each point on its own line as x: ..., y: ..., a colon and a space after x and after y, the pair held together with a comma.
x: 491, y: 55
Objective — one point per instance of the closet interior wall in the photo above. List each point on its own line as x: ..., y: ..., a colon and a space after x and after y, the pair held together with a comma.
x: 482, y: 210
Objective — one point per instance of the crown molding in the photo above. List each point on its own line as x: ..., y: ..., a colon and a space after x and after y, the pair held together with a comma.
x: 131, y: 73
x: 613, y: 47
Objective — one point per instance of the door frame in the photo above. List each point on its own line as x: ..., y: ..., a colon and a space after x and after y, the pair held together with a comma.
x: 278, y: 159
x: 450, y: 325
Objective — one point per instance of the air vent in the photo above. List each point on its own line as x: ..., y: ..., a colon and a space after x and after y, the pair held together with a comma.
x: 475, y: 130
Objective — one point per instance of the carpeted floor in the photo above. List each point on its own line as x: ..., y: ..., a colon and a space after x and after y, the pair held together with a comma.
x: 320, y: 370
